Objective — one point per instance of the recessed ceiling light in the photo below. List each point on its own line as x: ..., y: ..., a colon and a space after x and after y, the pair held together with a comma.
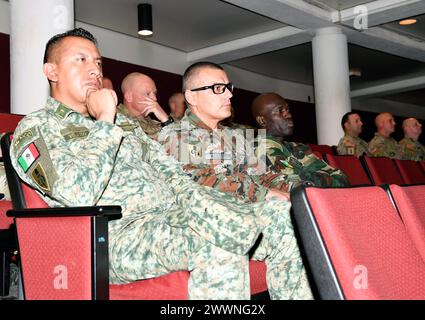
x: 406, y: 22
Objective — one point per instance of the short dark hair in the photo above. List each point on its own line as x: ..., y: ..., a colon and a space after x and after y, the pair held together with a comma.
x: 192, y: 69
x: 345, y: 118
x: 55, y: 40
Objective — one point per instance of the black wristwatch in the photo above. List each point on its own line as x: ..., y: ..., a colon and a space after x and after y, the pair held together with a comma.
x: 169, y: 121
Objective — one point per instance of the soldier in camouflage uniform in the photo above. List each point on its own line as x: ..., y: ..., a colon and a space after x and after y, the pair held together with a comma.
x: 291, y: 163
x: 351, y: 144
x: 140, y: 100
x: 214, y: 155
x: 75, y: 153
x: 382, y: 144
x: 411, y: 148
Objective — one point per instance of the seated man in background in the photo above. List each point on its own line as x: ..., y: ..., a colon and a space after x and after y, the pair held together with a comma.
x: 139, y: 92
x: 177, y: 105
x: 107, y: 83
x: 292, y: 163
x: 78, y: 151
x: 411, y: 148
x: 382, y: 144
x: 211, y: 153
x: 351, y: 144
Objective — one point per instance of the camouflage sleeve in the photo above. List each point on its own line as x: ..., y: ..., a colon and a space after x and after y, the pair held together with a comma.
x: 305, y: 165
x: 72, y: 175
x: 322, y: 174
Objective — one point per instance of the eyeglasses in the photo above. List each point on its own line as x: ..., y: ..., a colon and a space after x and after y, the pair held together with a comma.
x: 217, y: 88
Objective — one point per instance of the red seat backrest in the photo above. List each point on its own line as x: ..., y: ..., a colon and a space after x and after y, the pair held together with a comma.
x: 410, y: 201
x: 383, y: 170
x: 422, y: 165
x: 64, y: 271
x: 5, y: 221
x: 8, y: 122
x: 410, y: 171
x: 352, y: 167
x: 371, y: 252
x: 322, y: 148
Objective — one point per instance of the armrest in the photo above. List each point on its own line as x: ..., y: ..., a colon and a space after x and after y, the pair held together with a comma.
x: 110, y: 212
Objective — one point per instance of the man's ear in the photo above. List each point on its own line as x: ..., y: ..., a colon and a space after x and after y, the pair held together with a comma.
x: 128, y: 96
x: 261, y: 121
x: 190, y: 97
x: 49, y: 70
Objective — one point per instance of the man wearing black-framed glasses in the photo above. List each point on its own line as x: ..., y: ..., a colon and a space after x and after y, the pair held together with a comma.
x: 211, y: 158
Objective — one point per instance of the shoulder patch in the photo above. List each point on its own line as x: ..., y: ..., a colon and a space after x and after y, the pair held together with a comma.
x: 24, y: 138
x: 28, y: 157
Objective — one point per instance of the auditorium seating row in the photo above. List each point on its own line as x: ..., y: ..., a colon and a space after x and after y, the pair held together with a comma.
x: 363, y: 242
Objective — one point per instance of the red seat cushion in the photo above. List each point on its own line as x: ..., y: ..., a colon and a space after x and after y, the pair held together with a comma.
x: 173, y: 286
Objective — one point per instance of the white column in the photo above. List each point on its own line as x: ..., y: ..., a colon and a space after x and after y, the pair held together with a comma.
x: 32, y: 24
x: 331, y: 83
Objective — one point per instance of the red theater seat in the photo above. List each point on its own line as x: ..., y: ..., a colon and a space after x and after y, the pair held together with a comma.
x: 352, y: 167
x: 410, y: 201
x: 382, y: 170
x: 411, y: 171
x: 356, y: 245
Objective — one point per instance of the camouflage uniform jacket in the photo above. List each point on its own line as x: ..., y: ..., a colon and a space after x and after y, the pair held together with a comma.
x: 294, y: 163
x: 214, y: 158
x: 73, y: 160
x: 384, y: 147
x: 412, y: 150
x: 349, y: 145
x: 149, y: 126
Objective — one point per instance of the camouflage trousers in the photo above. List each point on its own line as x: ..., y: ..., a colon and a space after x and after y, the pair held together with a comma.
x: 150, y: 247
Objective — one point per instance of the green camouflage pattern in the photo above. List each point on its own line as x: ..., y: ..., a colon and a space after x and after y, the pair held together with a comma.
x: 149, y: 126
x: 169, y: 222
x: 380, y: 146
x: 216, y: 158
x: 292, y: 164
x: 412, y: 150
x: 353, y: 146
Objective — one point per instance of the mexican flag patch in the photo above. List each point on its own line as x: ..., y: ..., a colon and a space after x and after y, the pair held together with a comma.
x: 28, y: 157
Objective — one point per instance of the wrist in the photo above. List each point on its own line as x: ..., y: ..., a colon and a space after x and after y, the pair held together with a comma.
x: 169, y: 121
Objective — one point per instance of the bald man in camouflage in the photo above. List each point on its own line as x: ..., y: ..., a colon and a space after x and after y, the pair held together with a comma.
x: 382, y: 144
x: 139, y: 91
x: 411, y: 148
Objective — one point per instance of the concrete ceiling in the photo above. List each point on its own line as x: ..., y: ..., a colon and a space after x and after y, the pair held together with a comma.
x: 273, y: 37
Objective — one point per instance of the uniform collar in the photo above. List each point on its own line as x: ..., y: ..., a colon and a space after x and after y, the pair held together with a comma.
x: 59, y: 109
x: 195, y: 121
